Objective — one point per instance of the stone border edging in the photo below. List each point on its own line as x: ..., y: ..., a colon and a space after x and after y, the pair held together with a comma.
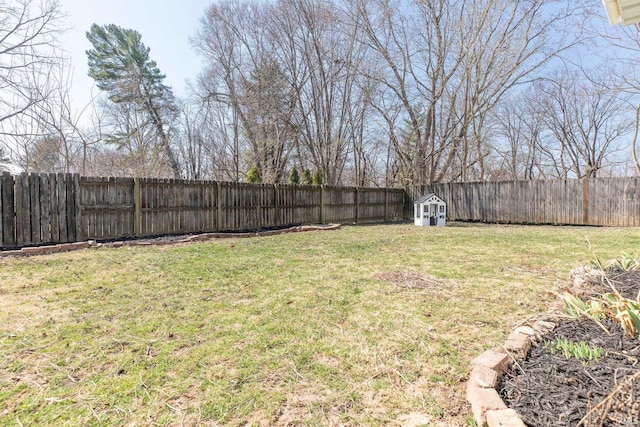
x: 486, y: 404
x: 66, y: 247
x: 50, y: 249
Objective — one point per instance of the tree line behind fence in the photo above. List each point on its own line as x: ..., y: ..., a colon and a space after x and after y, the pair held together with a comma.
x: 60, y: 208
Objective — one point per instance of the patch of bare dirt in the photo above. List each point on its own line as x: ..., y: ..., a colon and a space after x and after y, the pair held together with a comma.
x: 405, y: 280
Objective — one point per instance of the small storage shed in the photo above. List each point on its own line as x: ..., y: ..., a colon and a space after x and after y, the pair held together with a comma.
x: 430, y: 210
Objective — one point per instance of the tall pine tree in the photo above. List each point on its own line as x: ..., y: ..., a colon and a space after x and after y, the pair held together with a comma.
x: 317, y: 178
x: 121, y: 66
x: 294, y: 177
x: 306, y: 177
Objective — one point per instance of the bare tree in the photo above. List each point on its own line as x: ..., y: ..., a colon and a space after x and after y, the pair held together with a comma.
x: 211, y: 140
x: 129, y: 132
x: 426, y: 75
x: 232, y: 39
x: 623, y: 48
x: 317, y: 100
x: 267, y: 107
x: 324, y: 57
x: 45, y: 155
x: 53, y: 125
x: 586, y: 119
x: 62, y: 121
x: 447, y: 65
x: 519, y: 128
x: 192, y: 146
x: 28, y: 34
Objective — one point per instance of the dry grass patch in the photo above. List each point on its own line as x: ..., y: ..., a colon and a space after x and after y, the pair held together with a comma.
x: 414, y: 281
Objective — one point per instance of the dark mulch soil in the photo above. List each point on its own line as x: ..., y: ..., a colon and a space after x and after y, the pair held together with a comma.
x: 549, y: 390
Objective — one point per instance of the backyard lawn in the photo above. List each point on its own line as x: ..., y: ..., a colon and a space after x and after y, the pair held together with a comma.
x: 367, y: 325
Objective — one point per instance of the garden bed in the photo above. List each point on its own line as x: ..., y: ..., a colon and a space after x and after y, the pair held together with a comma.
x: 550, y: 389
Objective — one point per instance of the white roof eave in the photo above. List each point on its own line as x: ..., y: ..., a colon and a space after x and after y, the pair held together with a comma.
x: 429, y: 198
x: 625, y: 12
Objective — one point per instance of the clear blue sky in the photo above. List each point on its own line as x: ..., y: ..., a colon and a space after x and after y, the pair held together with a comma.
x: 165, y: 26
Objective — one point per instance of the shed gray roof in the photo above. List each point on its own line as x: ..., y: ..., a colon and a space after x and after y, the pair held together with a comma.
x: 425, y: 198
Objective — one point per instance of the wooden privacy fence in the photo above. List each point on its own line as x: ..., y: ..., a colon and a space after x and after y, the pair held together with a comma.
x: 589, y: 201
x: 61, y: 208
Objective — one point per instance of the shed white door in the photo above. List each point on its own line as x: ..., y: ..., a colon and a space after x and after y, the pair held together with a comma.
x: 421, y: 216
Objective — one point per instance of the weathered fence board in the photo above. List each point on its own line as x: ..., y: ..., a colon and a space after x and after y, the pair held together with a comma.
x: 36, y: 209
x: 60, y: 208
x: 593, y: 201
x: 299, y: 205
x: 340, y: 204
x: 174, y: 206
x: 106, y: 208
x: 7, y: 213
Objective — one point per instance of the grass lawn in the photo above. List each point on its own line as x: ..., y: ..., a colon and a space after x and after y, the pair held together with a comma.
x: 370, y: 325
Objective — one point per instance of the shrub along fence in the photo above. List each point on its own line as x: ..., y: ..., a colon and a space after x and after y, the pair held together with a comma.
x: 589, y: 201
x: 62, y: 208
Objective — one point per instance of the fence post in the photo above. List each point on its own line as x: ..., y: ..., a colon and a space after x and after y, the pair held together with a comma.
x: 322, y: 201
x: 357, y: 204
x: 407, y: 201
x: 276, y: 204
x: 137, y: 207
x: 70, y: 208
x: 386, y: 204
x: 259, y: 219
x: 585, y: 201
x: 7, y: 215
x: 219, y: 207
x: 36, y: 208
x: 23, y: 210
x: 61, y: 208
x: 80, y: 235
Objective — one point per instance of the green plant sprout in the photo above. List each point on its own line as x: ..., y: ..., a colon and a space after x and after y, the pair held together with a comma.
x: 628, y: 262
x: 580, y: 350
x: 611, y: 305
